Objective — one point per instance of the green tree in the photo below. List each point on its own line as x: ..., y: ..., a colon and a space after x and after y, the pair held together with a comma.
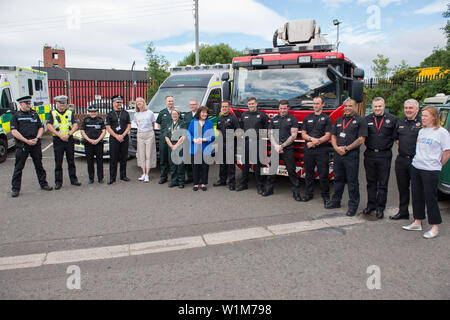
x: 221, y: 53
x: 380, y: 67
x: 157, y: 69
x: 439, y: 58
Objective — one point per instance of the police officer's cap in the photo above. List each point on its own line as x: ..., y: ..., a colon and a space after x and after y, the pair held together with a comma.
x: 26, y: 99
x: 61, y: 99
x: 117, y: 98
x: 93, y: 108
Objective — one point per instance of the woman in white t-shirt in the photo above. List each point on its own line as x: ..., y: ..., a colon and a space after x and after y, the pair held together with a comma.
x: 146, y: 145
x: 432, y: 152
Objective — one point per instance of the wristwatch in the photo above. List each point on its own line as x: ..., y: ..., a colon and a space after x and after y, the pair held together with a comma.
x: 346, y: 150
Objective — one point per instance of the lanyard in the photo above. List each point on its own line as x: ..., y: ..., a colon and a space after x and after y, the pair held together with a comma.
x: 345, y: 126
x: 376, y: 123
x: 174, y: 126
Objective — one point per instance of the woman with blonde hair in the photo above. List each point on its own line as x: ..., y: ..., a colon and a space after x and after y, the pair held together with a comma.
x: 432, y: 152
x: 146, y: 145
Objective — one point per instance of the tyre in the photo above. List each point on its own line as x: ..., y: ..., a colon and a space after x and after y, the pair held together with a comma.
x: 3, y: 150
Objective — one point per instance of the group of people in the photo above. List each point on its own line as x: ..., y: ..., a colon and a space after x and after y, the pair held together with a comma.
x: 423, y: 148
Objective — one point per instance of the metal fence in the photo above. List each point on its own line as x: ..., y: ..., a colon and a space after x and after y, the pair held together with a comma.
x: 389, y: 83
x: 85, y: 92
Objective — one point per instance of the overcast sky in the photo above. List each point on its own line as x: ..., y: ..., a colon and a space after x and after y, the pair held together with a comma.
x: 114, y: 33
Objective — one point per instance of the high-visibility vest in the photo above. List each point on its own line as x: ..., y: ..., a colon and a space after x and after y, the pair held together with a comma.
x: 62, y: 122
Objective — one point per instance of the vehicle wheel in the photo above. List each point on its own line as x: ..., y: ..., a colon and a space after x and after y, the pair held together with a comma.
x: 3, y: 150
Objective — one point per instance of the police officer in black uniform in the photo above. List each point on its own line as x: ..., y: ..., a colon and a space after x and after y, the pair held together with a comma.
x: 62, y: 124
x: 27, y: 129
x: 227, y: 121
x: 283, y: 142
x: 118, y: 124
x: 405, y: 134
x: 253, y: 119
x: 378, y: 156
x: 93, y: 131
x: 348, y: 134
x: 316, y: 131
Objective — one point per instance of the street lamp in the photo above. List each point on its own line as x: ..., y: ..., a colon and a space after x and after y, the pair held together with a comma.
x: 336, y: 22
x: 68, y: 76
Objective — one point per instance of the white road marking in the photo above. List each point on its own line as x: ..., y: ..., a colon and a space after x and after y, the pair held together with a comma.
x: 79, y: 255
x: 47, y: 147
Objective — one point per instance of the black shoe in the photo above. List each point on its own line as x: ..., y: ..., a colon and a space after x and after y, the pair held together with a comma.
x: 171, y: 185
x: 14, y: 193
x: 368, y: 210
x: 267, y: 193
x: 260, y: 190
x: 91, y: 181
x: 332, y: 205
x: 58, y: 186
x: 298, y: 197
x: 162, y: 181
x: 126, y: 179
x: 380, y: 213
x: 219, y: 183
x: 204, y: 188
x: 351, y: 212
x: 100, y: 181
x: 111, y: 181
x: 195, y: 188
x: 188, y: 181
x: 307, y: 198
x: 400, y: 216
x: 240, y: 188
x: 232, y: 187
x: 47, y: 188
x: 325, y: 201
x: 181, y: 186
x: 76, y: 183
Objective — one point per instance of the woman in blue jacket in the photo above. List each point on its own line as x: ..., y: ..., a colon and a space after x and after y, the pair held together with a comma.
x: 201, y: 136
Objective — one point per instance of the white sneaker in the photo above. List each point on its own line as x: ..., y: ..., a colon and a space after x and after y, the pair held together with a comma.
x: 142, y: 177
x: 412, y: 228
x: 146, y: 179
x: 430, y: 234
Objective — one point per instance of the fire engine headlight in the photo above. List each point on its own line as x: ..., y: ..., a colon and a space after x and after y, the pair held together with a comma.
x: 257, y: 62
x: 304, y: 59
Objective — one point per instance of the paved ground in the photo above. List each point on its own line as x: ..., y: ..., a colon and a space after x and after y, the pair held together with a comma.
x: 326, y: 263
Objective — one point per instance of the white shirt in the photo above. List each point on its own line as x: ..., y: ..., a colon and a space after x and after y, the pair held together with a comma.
x: 430, y: 146
x: 144, y: 120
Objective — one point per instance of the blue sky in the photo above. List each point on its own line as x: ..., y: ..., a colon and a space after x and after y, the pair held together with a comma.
x: 114, y: 33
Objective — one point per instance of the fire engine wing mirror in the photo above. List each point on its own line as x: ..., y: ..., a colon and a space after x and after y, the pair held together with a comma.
x: 357, y: 90
x: 225, y: 76
x: 358, y: 73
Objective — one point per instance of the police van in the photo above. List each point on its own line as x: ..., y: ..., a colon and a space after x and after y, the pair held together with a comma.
x: 16, y: 82
x: 206, y: 83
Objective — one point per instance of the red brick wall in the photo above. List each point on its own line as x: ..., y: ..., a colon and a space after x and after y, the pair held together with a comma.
x: 48, y: 56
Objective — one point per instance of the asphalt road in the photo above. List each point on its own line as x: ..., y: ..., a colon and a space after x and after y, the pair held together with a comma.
x: 329, y: 263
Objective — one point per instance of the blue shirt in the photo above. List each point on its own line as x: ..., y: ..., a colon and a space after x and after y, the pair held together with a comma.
x: 196, y: 131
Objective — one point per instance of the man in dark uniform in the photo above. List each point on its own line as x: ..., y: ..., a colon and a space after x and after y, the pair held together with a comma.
x: 253, y: 119
x: 316, y: 132
x: 118, y: 124
x: 405, y: 134
x: 188, y: 116
x: 93, y: 131
x: 378, y: 156
x: 27, y: 129
x: 227, y: 121
x: 61, y: 123
x: 283, y: 142
x: 164, y: 120
x: 348, y: 134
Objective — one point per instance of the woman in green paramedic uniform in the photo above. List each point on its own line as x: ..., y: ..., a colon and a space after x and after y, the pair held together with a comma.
x: 174, y: 142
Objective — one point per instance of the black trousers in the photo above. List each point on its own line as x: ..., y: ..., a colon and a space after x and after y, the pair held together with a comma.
x: 346, y: 171
x: 289, y: 160
x: 424, y: 193
x: 200, y: 172
x: 403, y: 174
x: 227, y: 170
x: 22, y: 152
x: 118, y: 154
x: 164, y: 157
x: 260, y: 179
x: 378, y: 169
x: 94, y: 151
x: 60, y: 148
x: 317, y: 157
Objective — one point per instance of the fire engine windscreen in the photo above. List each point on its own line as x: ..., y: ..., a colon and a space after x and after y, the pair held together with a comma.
x: 181, y: 97
x: 299, y: 86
